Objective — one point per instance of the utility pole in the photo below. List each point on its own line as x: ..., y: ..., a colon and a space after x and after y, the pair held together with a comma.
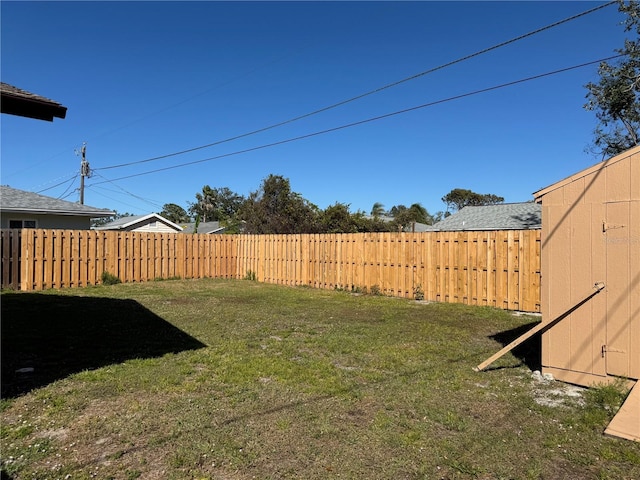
x: 85, y: 171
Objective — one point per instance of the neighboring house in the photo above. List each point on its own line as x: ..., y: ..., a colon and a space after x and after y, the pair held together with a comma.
x: 590, y: 263
x: 204, y: 227
x: 142, y: 223
x: 15, y: 101
x: 503, y: 216
x: 21, y: 209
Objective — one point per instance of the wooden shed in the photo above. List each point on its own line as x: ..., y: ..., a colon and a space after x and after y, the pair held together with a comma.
x: 590, y: 266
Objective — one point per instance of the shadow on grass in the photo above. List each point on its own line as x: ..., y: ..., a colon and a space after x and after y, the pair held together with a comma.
x: 48, y: 337
x: 529, y: 351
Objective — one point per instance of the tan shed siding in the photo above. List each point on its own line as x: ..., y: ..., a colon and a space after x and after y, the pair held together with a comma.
x: 581, y: 321
x: 558, y: 276
x: 598, y: 304
x: 591, y: 233
x: 622, y: 288
x: 634, y: 293
x: 618, y: 185
x: 545, y: 282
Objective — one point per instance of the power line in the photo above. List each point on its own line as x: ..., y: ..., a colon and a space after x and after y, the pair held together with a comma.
x: 372, y: 119
x: 68, y: 194
x: 146, y: 200
x: 66, y: 177
x: 62, y: 195
x: 358, y: 97
x: 75, y: 174
x: 112, y: 199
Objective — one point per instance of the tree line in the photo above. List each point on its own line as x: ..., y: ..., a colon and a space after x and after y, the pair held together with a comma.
x: 274, y: 208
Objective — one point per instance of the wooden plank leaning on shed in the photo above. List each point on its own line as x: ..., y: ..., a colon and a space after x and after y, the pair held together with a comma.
x: 541, y: 327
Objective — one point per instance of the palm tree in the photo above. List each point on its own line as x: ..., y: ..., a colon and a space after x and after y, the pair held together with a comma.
x: 377, y: 210
x: 419, y: 213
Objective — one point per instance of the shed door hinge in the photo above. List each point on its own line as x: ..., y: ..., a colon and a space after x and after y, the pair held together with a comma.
x: 606, y: 348
x: 611, y: 226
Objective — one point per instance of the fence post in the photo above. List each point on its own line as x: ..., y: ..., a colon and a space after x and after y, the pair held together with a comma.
x: 23, y: 253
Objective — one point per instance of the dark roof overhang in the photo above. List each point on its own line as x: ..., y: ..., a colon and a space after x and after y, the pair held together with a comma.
x: 15, y: 101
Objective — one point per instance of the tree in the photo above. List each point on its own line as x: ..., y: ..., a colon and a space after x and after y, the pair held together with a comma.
x: 174, y: 213
x: 459, y: 198
x: 216, y: 204
x: 366, y: 223
x: 404, y: 218
x: 440, y: 215
x: 377, y: 210
x: 396, y: 210
x: 274, y: 208
x: 615, y: 97
x: 337, y: 219
x: 420, y: 214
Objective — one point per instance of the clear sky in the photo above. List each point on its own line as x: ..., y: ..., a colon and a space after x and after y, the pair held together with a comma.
x: 147, y: 79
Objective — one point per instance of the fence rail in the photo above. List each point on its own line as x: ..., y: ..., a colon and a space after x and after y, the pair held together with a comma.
x: 495, y: 268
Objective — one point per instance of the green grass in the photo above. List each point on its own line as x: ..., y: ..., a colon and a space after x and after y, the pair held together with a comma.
x: 221, y: 379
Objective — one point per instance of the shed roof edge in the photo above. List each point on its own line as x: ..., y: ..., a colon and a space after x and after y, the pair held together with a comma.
x: 583, y: 173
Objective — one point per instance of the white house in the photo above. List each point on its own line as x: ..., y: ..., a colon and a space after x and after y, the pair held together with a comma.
x: 142, y: 223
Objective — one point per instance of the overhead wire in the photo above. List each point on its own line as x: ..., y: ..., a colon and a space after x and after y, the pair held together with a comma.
x: 74, y: 175
x: 113, y: 199
x: 68, y: 194
x: 73, y: 180
x: 372, y: 119
x: 146, y: 200
x: 366, y: 94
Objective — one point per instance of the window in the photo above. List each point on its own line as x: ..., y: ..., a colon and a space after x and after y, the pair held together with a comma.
x: 22, y: 224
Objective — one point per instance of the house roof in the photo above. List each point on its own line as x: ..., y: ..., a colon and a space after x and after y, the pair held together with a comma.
x: 16, y: 101
x: 204, y: 227
x: 587, y: 171
x: 19, y: 201
x: 503, y: 216
x: 419, y: 227
x: 123, y: 223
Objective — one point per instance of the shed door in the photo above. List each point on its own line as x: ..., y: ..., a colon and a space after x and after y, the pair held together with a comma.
x: 616, y: 230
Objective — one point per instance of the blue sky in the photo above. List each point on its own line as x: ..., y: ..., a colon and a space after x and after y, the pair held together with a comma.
x: 146, y: 79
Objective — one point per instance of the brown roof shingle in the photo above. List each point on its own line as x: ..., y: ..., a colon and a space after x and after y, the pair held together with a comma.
x: 15, y: 101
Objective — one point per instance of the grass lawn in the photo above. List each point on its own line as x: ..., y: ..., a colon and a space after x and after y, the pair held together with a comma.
x: 222, y: 379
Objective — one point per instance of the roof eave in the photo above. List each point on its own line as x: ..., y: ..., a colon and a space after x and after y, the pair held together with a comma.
x: 31, y: 108
x: 583, y: 173
x: 32, y: 211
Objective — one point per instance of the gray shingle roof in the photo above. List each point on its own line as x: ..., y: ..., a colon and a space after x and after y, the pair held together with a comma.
x: 20, y: 201
x: 504, y: 216
x: 120, y: 222
x: 204, y: 227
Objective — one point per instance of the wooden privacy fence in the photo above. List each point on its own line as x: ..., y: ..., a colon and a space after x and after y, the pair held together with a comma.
x: 495, y: 268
